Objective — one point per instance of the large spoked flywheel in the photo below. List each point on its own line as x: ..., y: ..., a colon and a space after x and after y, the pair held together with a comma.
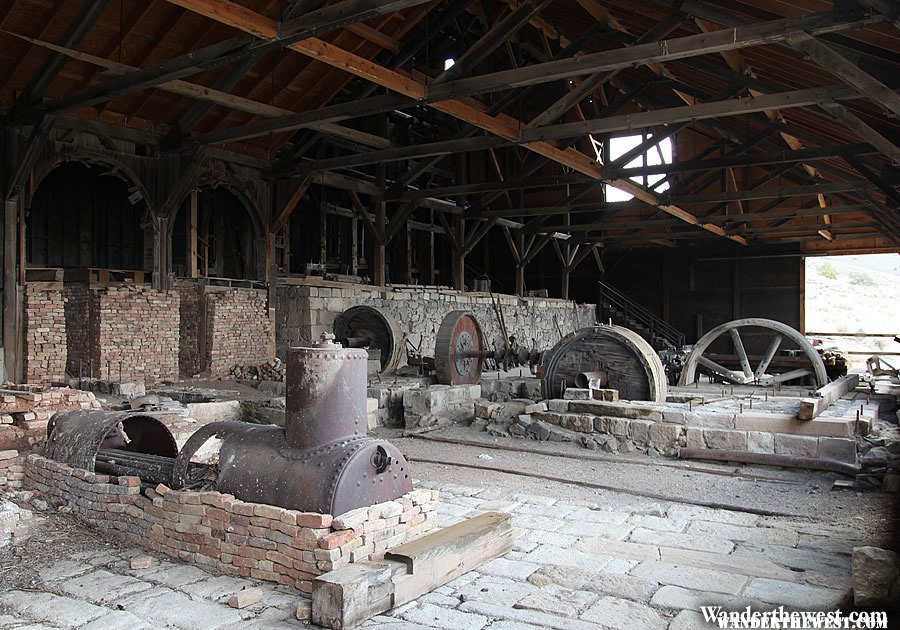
x: 618, y: 357
x: 755, y: 351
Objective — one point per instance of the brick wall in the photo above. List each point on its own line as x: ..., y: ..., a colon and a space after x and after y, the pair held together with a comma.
x: 25, y: 412
x: 80, y: 330
x: 190, y: 294
x: 45, y: 335
x: 307, y: 310
x: 137, y: 329
x: 219, y: 532
x: 238, y: 329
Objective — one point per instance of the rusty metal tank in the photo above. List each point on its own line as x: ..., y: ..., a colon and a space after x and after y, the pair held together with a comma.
x: 322, y: 461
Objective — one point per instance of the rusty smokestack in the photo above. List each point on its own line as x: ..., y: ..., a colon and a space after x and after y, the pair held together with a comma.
x: 326, y: 394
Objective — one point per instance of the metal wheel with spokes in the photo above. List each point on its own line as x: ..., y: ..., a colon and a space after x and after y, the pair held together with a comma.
x: 768, y: 338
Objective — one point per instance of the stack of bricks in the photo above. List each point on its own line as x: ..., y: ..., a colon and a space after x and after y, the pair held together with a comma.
x: 238, y: 329
x: 12, y: 471
x: 136, y: 333
x: 26, y: 410
x: 222, y: 534
x: 190, y: 293
x: 45, y: 335
x: 79, y: 330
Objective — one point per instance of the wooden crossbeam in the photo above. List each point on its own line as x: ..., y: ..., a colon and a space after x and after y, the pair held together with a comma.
x: 291, y: 204
x: 467, y: 111
x: 643, y: 54
x: 846, y: 71
x: 41, y: 80
x: 701, y: 111
x: 323, y: 121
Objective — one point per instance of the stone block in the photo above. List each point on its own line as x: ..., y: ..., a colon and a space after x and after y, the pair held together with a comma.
x: 713, y: 420
x: 662, y: 435
x: 725, y: 440
x: 639, y: 431
x: 796, y: 445
x: 694, y: 437
x: 244, y: 598
x: 609, y: 395
x: 876, y: 577
x: 706, y: 580
x: 760, y: 442
x: 838, y: 449
x: 574, y: 393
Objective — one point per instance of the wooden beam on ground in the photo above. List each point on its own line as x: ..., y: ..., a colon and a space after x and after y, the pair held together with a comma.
x: 825, y: 396
x: 347, y: 597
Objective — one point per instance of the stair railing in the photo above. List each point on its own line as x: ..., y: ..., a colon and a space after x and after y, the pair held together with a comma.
x: 653, y: 326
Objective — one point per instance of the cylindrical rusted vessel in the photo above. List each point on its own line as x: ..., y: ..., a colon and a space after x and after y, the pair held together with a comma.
x: 326, y: 395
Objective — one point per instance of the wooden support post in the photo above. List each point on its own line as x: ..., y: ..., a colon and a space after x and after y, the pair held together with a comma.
x: 10, y: 288
x: 323, y: 236
x: 347, y: 597
x: 430, y: 259
x: 354, y: 246
x: 520, y: 265
x: 812, y: 407
x: 286, y: 247
x: 459, y: 258
x: 192, y: 236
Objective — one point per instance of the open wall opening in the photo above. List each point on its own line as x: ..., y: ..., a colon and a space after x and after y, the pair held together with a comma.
x: 218, y: 235
x: 81, y: 217
x: 852, y: 305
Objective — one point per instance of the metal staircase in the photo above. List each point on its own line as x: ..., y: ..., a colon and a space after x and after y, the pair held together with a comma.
x: 615, y: 306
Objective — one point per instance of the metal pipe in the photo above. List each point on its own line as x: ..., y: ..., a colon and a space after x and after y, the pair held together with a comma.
x: 591, y: 380
x: 769, y: 459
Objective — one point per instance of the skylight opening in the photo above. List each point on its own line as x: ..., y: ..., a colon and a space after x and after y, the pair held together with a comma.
x: 659, y: 153
x: 448, y: 63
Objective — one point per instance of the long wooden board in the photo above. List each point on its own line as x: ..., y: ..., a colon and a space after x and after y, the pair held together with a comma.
x: 812, y: 407
x: 345, y: 598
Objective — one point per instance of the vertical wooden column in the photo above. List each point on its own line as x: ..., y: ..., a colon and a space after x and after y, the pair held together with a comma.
x: 567, y: 262
x: 323, y: 236
x: 378, y: 274
x: 520, y: 265
x: 193, y: 268
x: 286, y: 249
x: 354, y: 246
x: 430, y: 259
x: 10, y: 288
x: 459, y: 259
x: 162, y: 253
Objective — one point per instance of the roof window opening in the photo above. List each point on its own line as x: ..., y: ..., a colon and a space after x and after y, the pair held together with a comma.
x: 655, y: 155
x: 448, y: 63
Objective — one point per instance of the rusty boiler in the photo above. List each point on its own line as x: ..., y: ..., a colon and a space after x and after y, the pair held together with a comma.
x: 322, y: 460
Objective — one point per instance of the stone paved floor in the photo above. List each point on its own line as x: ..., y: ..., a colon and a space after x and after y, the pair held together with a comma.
x: 576, y: 566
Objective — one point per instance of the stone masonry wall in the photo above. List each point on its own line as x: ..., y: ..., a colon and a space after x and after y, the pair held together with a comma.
x: 137, y: 331
x: 307, y: 310
x: 238, y: 329
x: 220, y: 533
x: 650, y: 425
x: 45, y: 335
x: 190, y: 295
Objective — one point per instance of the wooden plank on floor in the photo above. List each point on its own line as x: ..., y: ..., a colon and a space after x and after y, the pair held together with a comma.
x: 347, y: 597
x: 812, y: 407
